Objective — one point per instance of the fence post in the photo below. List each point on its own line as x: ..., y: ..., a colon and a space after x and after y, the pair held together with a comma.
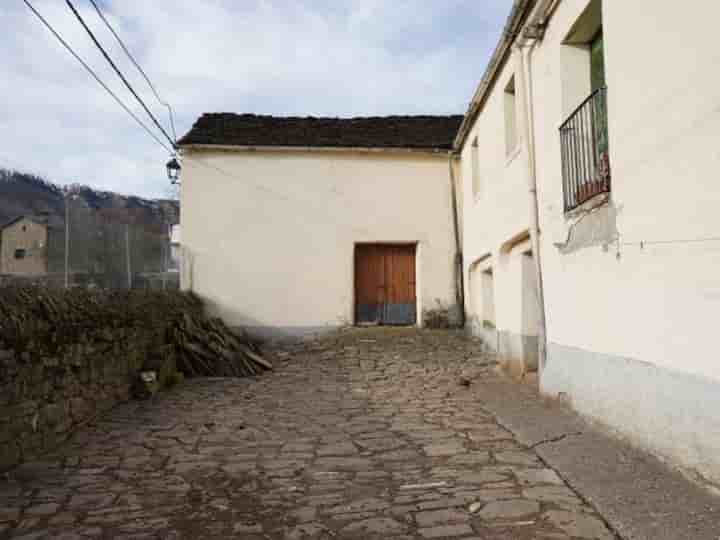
x: 127, y: 255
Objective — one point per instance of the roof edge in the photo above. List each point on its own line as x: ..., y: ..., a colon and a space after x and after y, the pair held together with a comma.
x: 520, y: 11
x: 433, y: 151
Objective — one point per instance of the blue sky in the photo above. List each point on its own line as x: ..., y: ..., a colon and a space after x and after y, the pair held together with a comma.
x: 309, y: 57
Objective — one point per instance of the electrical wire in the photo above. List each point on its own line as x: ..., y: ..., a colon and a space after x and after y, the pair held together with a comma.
x: 643, y: 243
x: 137, y: 65
x: 282, y: 196
x: 94, y: 75
x: 119, y: 73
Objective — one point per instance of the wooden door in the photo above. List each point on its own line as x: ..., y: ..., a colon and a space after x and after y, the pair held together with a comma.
x: 385, y: 284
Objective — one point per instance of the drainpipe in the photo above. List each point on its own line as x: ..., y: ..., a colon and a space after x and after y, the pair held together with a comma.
x: 459, y: 270
x: 526, y: 70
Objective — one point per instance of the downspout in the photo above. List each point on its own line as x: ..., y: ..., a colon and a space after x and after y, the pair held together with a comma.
x: 526, y: 66
x: 458, y: 264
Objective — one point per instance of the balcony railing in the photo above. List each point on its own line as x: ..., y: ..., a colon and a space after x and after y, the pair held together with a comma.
x: 584, y: 145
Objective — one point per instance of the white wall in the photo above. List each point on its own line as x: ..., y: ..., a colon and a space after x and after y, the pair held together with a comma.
x: 496, y: 218
x: 632, y: 327
x: 658, y: 303
x: 271, y: 243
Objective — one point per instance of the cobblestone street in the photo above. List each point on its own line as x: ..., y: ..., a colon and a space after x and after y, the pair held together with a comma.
x: 370, y: 434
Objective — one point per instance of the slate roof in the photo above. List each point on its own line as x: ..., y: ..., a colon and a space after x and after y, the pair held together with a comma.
x: 416, y: 132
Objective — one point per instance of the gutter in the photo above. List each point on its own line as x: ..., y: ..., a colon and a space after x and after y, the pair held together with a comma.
x: 459, y: 265
x: 515, y: 21
x: 533, y: 34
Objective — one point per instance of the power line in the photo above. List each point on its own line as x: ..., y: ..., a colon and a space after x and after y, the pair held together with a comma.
x: 95, y: 76
x: 137, y: 65
x: 643, y: 243
x: 282, y: 196
x: 119, y: 73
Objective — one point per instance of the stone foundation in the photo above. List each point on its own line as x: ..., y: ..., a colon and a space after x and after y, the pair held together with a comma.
x: 64, y: 361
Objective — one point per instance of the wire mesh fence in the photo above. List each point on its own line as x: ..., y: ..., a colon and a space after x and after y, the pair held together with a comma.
x: 109, y: 248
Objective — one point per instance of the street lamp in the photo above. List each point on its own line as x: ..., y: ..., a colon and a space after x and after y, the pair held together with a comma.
x: 173, y: 170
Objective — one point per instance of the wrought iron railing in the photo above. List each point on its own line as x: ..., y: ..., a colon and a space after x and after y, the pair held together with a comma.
x: 584, y: 145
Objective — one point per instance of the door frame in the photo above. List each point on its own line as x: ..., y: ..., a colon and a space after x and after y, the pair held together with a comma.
x: 401, y: 243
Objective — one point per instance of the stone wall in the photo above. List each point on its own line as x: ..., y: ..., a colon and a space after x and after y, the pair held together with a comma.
x: 66, y: 356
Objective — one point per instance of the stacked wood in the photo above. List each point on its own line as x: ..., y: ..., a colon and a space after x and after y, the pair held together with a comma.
x: 208, y: 348
x: 173, y: 321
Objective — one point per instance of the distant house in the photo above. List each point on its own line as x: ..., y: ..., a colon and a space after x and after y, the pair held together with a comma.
x: 24, y: 243
x: 297, y: 225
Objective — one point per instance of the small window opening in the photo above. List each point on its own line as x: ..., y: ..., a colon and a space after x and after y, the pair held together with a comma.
x: 20, y: 253
x: 511, y: 132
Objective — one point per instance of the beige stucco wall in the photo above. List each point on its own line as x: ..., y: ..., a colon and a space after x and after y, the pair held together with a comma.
x: 632, y: 289
x: 495, y: 217
x: 659, y: 302
x: 24, y: 234
x: 268, y: 237
x: 632, y: 300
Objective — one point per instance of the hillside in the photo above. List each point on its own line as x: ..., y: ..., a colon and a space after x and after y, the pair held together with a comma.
x: 23, y: 193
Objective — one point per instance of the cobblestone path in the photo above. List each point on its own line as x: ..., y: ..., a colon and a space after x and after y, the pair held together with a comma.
x: 369, y: 434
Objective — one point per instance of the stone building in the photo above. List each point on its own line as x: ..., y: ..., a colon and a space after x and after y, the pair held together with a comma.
x: 24, y: 246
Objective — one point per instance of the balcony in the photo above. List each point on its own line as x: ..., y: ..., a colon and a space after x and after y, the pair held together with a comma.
x: 584, y: 146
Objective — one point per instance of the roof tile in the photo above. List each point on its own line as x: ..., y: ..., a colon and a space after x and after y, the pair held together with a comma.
x: 418, y: 132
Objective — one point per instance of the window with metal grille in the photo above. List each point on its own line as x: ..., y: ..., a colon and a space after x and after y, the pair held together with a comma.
x: 584, y: 138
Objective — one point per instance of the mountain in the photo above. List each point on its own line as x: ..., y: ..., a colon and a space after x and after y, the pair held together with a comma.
x: 28, y: 194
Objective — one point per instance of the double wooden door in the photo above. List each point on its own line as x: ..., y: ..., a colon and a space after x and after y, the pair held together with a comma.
x: 385, y: 284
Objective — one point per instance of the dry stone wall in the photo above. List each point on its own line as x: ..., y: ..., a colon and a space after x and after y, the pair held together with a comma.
x: 66, y: 356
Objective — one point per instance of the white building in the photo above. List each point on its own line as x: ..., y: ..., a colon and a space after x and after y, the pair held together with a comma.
x: 300, y: 225
x: 586, y: 216
x: 610, y: 108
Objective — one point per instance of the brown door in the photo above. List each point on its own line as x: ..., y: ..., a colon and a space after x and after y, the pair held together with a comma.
x: 385, y: 284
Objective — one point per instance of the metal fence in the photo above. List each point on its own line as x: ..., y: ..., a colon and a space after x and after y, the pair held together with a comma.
x: 584, y: 146
x: 108, y: 248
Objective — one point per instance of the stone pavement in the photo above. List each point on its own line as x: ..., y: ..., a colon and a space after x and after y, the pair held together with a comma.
x: 368, y: 434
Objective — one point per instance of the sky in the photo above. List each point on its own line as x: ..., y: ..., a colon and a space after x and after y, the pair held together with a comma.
x: 281, y: 57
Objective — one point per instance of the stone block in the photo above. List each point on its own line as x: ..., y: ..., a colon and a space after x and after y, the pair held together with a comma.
x: 79, y: 409
x: 53, y: 414
x: 9, y: 455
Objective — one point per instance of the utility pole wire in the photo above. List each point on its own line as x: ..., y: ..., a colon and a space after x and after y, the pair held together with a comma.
x: 137, y: 65
x: 95, y: 76
x: 119, y: 73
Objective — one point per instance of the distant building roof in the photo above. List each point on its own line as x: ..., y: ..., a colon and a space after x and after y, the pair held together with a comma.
x: 413, y: 132
x: 50, y: 221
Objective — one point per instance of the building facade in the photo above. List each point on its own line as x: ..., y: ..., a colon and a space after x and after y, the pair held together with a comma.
x: 24, y: 247
x: 616, y: 119
x: 295, y: 226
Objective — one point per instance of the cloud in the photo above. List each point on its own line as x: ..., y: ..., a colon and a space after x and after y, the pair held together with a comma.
x: 310, y: 57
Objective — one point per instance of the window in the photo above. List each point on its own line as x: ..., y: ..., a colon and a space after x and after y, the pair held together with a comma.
x: 488, y: 299
x: 20, y: 253
x: 584, y: 133
x: 597, y: 62
x: 475, y: 157
x: 511, y: 136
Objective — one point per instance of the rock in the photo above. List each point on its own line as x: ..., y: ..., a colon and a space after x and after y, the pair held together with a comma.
x: 445, y: 516
x: 553, y: 494
x: 578, y: 525
x: 474, y: 507
x: 511, y: 509
x: 374, y: 526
